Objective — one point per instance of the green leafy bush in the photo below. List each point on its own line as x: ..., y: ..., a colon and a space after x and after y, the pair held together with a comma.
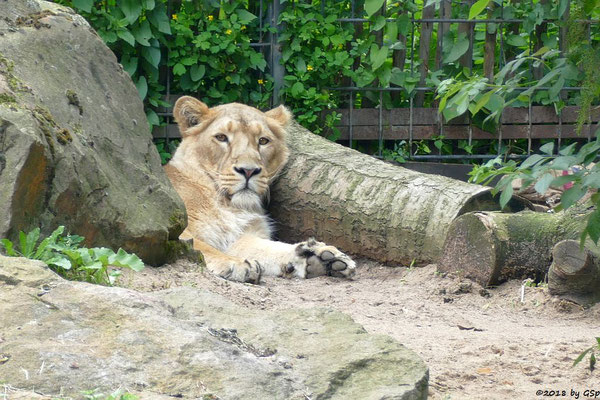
x: 210, y: 53
x: 64, y: 255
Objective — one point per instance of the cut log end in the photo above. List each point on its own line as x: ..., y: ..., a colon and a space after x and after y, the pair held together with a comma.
x: 574, y: 273
x: 470, y: 250
x: 491, y: 247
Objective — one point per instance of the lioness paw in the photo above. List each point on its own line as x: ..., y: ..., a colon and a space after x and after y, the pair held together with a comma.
x: 240, y: 271
x: 322, y: 259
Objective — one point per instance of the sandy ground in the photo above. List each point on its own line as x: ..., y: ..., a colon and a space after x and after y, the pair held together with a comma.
x: 478, y: 344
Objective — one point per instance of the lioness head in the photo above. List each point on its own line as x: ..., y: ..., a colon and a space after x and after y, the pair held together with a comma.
x: 241, y: 148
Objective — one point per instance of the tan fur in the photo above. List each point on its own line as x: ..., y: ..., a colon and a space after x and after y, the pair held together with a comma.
x: 222, y: 169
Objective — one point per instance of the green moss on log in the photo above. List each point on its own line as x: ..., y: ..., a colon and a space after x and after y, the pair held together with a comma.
x: 178, y: 249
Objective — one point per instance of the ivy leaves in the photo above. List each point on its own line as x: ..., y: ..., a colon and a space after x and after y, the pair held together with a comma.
x: 478, y: 7
x: 372, y: 6
x: 211, y: 53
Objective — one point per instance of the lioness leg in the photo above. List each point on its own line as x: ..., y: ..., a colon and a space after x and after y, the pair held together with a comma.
x: 227, y: 266
x: 304, y: 260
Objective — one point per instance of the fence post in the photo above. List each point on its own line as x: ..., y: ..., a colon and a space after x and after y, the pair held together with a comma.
x: 277, y: 69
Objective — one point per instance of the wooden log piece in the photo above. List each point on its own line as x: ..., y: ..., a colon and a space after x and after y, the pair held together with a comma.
x: 575, y: 273
x: 491, y: 247
x: 366, y: 206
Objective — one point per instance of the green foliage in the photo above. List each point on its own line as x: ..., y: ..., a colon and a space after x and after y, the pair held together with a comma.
x: 399, y: 153
x: 541, y: 170
x: 592, y: 352
x: 118, y: 394
x: 204, y: 45
x: 211, y: 54
x: 510, y: 86
x: 315, y: 57
x: 65, y: 256
x: 166, y: 150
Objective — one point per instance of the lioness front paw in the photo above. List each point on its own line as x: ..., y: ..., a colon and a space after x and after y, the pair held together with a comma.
x: 322, y: 259
x: 239, y: 271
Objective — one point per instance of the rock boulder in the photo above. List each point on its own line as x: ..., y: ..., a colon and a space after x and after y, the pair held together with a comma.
x: 65, y: 337
x: 75, y: 147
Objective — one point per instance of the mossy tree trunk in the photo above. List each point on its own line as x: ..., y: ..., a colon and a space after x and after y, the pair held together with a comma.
x: 365, y: 206
x: 491, y: 247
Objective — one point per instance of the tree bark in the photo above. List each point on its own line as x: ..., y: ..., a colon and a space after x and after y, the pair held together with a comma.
x: 575, y: 273
x: 368, y: 207
x: 491, y: 247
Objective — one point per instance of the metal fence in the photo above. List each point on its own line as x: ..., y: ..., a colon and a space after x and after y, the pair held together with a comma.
x: 414, y: 122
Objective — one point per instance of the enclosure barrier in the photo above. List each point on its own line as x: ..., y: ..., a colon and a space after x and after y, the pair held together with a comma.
x: 414, y: 121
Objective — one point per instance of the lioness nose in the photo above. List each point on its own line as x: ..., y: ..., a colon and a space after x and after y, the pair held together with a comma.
x: 248, y: 172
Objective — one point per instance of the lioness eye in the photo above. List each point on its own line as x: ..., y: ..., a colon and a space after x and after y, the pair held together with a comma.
x: 221, y: 137
x: 263, y: 140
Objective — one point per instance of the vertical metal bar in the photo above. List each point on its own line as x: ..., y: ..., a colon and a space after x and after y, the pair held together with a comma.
x: 470, y: 129
x: 350, y: 119
x: 166, y: 129
x: 529, y: 127
x: 380, y: 124
x: 410, y: 126
x: 412, y: 44
x: 440, y: 120
x: 500, y: 134
x: 589, y: 33
x: 351, y: 104
x: 276, y: 67
x: 500, y: 140
x: 260, y: 21
x: 501, y: 26
x: 260, y: 40
x: 559, y: 131
x: 412, y: 71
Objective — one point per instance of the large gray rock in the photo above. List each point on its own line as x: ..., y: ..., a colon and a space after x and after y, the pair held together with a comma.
x: 63, y: 337
x: 75, y: 148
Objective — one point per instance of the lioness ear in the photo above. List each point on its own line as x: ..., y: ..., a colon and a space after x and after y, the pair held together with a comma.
x: 280, y: 114
x: 189, y: 112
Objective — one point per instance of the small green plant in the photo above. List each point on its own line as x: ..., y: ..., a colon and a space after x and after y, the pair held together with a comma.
x: 166, y: 150
x: 398, y: 154
x: 592, y: 352
x: 540, y: 170
x: 116, y: 395
x: 65, y: 256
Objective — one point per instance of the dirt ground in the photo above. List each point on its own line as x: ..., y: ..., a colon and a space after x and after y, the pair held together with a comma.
x: 478, y: 343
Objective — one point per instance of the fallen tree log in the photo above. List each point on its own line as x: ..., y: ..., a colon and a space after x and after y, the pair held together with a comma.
x: 366, y: 206
x: 491, y: 247
x: 575, y: 272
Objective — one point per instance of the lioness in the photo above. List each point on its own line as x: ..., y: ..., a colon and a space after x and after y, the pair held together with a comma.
x: 222, y: 169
